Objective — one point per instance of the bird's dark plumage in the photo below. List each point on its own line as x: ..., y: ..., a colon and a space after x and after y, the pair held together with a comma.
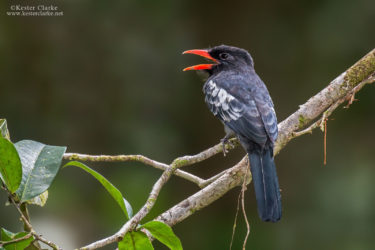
x: 237, y: 96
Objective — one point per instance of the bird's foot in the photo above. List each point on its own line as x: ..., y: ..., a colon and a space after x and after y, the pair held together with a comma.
x: 224, y: 142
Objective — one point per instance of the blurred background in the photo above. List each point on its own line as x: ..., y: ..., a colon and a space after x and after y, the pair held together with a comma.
x: 106, y: 78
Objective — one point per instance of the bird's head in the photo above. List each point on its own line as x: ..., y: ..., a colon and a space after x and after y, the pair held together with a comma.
x: 224, y: 58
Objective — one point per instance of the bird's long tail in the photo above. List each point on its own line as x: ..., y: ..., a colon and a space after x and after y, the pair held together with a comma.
x: 266, y: 184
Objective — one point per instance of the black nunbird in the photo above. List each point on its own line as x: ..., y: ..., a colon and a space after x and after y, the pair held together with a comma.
x: 238, y: 97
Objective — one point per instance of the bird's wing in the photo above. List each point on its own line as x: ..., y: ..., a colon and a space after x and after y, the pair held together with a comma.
x: 240, y: 114
x: 265, y: 107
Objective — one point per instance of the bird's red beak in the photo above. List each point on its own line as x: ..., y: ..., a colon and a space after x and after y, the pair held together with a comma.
x: 200, y: 52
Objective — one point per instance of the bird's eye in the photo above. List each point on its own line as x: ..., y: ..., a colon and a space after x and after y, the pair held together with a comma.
x: 223, y: 56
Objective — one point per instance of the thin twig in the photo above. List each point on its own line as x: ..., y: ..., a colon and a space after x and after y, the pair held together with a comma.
x: 208, y: 153
x: 113, y: 158
x: 325, y: 142
x: 25, y: 212
x: 182, y: 161
x: 28, y: 224
x: 139, y: 158
x: 24, y: 219
x: 243, y: 190
x: 235, y: 220
x: 47, y: 242
x: 307, y: 130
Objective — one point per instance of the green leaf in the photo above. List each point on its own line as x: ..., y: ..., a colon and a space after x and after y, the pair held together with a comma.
x: 40, y: 164
x: 10, y: 165
x: 112, y: 190
x: 20, y: 245
x: 135, y: 241
x: 8, y: 236
x: 163, y: 233
x: 4, y: 129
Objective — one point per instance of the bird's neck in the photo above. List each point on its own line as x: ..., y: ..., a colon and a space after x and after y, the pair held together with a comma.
x: 221, y: 69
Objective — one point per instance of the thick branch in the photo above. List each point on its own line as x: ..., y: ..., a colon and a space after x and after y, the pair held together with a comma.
x: 337, y: 90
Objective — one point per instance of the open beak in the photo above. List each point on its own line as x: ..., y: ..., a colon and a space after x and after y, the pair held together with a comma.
x: 200, y: 52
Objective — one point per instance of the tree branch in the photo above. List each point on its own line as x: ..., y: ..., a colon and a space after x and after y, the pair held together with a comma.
x: 182, y: 161
x: 138, y: 158
x: 30, y: 227
x: 353, y: 79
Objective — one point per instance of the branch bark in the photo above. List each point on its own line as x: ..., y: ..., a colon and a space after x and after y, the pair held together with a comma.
x: 322, y: 104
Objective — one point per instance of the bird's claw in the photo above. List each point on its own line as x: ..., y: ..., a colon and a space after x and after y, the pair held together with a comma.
x: 224, y: 142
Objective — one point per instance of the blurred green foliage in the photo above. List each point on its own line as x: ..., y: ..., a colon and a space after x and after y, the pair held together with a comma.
x: 106, y: 79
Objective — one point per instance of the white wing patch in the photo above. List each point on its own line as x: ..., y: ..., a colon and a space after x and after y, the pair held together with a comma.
x: 253, y: 110
x: 222, y: 103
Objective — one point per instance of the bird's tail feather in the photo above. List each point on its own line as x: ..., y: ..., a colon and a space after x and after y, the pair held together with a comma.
x: 266, y: 184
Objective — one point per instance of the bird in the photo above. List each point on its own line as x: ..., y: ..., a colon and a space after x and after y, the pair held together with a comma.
x: 237, y: 96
